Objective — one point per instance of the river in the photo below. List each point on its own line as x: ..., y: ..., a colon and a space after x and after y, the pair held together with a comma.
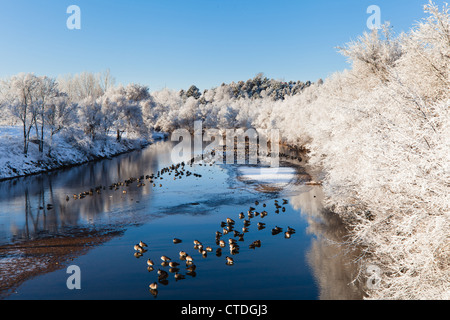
x: 44, y: 229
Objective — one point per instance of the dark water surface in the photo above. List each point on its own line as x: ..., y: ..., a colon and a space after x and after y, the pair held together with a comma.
x: 304, y: 266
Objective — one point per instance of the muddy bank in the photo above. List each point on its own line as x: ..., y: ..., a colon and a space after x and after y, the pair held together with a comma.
x: 20, y: 262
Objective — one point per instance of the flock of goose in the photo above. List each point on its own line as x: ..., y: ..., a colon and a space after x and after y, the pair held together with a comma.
x: 179, y: 170
x: 228, y: 227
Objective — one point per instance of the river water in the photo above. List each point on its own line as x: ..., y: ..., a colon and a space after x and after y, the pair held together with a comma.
x: 44, y: 229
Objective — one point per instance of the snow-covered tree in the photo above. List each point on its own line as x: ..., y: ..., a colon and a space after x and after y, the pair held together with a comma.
x: 20, y: 95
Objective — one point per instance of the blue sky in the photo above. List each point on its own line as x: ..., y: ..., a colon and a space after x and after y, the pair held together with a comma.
x: 176, y: 43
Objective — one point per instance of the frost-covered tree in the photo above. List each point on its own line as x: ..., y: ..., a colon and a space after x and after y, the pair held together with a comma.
x: 137, y: 92
x: 373, y: 54
x: 122, y: 113
x: 20, y: 95
x: 194, y: 92
x: 85, y: 85
x: 46, y: 91
x: 90, y: 117
x: 59, y: 114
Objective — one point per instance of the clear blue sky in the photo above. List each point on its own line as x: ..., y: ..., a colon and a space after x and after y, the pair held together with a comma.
x: 176, y: 43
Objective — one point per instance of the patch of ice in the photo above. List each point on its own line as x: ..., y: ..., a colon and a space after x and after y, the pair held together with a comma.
x: 267, y: 174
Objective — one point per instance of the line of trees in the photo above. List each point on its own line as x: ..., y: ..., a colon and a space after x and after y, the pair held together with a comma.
x: 92, y: 103
x: 45, y: 106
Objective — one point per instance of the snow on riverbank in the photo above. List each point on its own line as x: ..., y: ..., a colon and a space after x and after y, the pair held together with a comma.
x: 66, y: 150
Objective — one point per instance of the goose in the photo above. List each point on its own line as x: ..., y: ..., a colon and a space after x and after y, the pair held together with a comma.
x: 176, y: 241
x: 287, y: 234
x: 179, y: 276
x: 150, y: 263
x: 142, y: 244
x: 219, y: 252
x: 183, y: 254
x: 290, y: 230
x: 137, y: 247
x: 257, y: 243
x: 165, y: 259
x: 191, y: 267
x: 173, y: 264
x: 153, y: 286
x: 196, y: 242
x: 230, y: 260
x: 233, y: 246
x: 241, y: 215
x: 209, y: 249
x: 276, y: 230
x: 189, y: 259
x: 192, y: 274
x: 230, y: 221
x: 222, y: 243
x: 162, y: 273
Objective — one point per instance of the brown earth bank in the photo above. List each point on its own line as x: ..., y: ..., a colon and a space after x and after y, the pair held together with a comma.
x: 22, y: 261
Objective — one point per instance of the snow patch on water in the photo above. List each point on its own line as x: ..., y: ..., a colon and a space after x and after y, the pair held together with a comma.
x: 267, y: 175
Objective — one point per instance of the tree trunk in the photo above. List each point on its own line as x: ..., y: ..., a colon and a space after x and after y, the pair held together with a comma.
x: 25, y: 149
x: 41, y: 141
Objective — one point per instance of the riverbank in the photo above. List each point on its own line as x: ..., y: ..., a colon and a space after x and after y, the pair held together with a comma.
x: 65, y: 152
x: 25, y: 260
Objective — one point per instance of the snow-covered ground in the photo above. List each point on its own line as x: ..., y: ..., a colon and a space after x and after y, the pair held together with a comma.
x: 66, y: 150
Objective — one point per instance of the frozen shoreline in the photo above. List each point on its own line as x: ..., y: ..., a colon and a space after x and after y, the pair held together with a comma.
x: 65, y: 153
